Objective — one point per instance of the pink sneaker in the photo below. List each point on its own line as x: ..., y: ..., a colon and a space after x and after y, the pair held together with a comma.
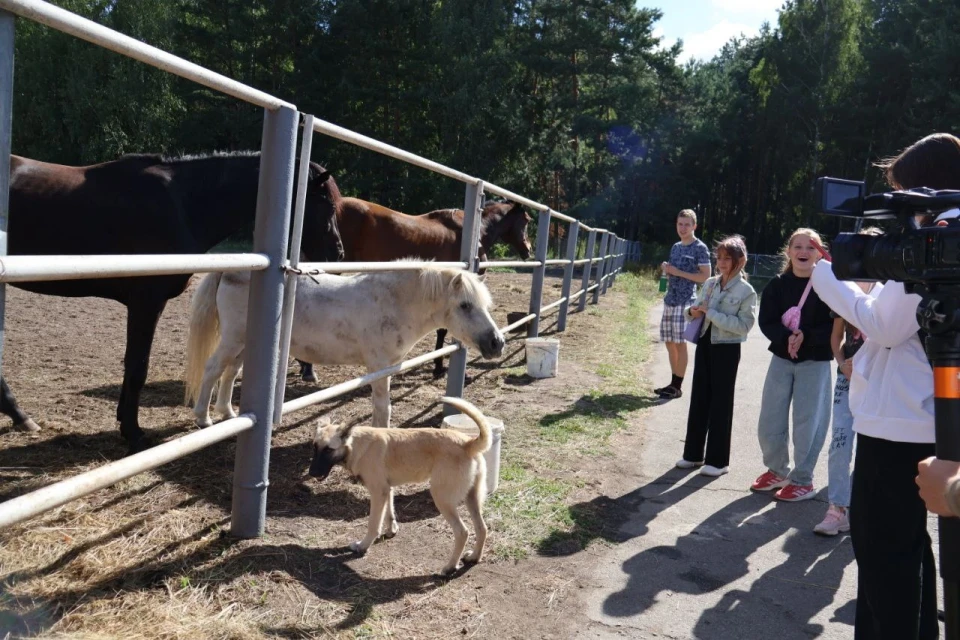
x: 795, y: 493
x: 833, y: 523
x: 768, y: 482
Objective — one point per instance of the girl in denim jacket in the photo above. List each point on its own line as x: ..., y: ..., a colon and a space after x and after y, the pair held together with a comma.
x: 728, y: 306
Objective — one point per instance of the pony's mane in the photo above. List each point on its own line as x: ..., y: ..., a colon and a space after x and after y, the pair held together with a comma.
x: 436, y: 283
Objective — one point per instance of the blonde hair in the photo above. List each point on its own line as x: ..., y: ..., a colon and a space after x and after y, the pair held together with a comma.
x: 688, y: 213
x: 736, y: 248
x: 802, y: 231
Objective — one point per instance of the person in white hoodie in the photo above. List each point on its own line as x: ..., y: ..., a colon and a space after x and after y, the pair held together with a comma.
x: 891, y: 399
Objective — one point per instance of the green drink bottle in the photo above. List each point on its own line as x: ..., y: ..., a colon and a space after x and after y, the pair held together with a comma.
x: 663, y: 282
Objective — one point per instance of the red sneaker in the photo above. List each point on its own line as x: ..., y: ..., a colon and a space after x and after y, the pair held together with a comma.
x: 795, y: 493
x: 768, y: 482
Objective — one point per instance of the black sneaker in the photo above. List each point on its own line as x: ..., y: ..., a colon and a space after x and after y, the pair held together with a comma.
x: 671, y: 393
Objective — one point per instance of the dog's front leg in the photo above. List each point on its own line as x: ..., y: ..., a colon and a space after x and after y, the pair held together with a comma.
x: 392, y: 526
x: 378, y: 507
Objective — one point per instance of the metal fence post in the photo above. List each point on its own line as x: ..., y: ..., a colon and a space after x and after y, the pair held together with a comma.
x: 614, y: 262
x: 290, y: 279
x: 572, y: 234
x: 7, y: 34
x: 469, y: 247
x: 603, y: 252
x: 275, y: 191
x: 608, y: 264
x: 587, y: 269
x: 536, y: 289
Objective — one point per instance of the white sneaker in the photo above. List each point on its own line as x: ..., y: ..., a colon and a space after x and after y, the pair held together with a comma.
x: 714, y: 472
x: 686, y: 464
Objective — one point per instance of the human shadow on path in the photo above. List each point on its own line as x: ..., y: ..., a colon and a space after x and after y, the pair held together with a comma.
x: 717, y: 552
x: 797, y: 589
x: 620, y: 519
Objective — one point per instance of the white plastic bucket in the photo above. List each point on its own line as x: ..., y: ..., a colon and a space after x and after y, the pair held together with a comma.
x: 465, y: 424
x: 543, y: 357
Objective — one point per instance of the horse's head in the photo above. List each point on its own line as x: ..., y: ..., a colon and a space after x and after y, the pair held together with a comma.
x: 517, y: 230
x: 507, y: 222
x: 321, y: 236
x: 467, y: 304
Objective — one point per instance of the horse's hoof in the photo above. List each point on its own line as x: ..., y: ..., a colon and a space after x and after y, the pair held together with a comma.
x: 28, y: 426
x: 140, y: 444
x: 439, y: 373
x: 203, y: 422
x: 310, y: 377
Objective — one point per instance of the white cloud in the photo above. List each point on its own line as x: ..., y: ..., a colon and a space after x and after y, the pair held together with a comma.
x: 665, y: 42
x: 748, y: 6
x: 706, y: 44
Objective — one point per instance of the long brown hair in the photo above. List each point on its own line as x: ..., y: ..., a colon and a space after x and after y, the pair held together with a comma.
x: 734, y: 247
x: 933, y: 161
x: 802, y: 231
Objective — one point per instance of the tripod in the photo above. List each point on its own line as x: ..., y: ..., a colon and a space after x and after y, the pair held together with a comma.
x: 939, y: 314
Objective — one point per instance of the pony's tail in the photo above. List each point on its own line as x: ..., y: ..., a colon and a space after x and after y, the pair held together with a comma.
x: 482, y: 442
x: 204, y: 334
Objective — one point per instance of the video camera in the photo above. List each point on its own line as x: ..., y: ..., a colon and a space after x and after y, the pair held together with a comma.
x: 914, y: 255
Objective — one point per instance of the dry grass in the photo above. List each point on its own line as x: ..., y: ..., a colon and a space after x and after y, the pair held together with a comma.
x: 149, y: 558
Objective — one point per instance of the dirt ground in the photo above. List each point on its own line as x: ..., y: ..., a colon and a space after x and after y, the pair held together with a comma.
x: 149, y: 557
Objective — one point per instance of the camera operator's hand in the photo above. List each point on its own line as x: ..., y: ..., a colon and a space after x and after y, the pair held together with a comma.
x: 933, y: 477
x: 793, y: 344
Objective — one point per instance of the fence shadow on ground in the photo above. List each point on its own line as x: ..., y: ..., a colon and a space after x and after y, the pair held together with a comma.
x: 323, y: 571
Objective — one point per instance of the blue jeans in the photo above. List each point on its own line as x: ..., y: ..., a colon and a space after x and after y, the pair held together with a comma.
x: 807, y: 386
x: 841, y: 445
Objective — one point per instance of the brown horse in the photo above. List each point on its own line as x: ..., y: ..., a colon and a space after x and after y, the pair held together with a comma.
x: 373, y: 233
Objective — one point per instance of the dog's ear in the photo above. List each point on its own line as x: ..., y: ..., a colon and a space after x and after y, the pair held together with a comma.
x: 345, y: 430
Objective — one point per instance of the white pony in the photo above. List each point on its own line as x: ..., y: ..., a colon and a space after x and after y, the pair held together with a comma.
x: 372, y: 319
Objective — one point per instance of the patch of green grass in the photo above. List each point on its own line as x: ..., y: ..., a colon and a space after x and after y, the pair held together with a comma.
x: 530, y: 510
x: 527, y: 506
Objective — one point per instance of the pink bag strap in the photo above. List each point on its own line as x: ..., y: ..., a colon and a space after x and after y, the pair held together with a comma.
x: 806, y: 292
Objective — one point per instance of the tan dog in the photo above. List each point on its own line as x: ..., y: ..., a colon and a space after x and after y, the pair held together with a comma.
x: 385, y: 458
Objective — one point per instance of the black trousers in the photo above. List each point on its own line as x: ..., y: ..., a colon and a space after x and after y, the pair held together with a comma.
x: 710, y: 420
x: 896, y: 575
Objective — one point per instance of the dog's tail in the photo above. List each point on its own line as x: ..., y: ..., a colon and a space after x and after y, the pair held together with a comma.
x: 204, y: 334
x: 481, y: 443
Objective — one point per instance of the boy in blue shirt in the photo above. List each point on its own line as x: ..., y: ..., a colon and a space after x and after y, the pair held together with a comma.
x: 688, y: 266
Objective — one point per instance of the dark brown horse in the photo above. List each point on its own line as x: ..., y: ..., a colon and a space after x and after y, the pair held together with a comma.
x: 144, y: 204
x: 373, y: 233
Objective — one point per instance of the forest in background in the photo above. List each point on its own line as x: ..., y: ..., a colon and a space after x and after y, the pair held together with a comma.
x: 573, y: 103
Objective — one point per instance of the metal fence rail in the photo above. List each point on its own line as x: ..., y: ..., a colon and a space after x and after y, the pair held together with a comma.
x: 273, y: 284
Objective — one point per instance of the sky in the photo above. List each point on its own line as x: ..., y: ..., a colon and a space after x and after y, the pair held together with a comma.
x: 706, y: 25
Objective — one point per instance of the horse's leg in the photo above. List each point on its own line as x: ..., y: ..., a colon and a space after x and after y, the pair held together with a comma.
x: 8, y: 406
x: 224, y: 355
x: 142, y: 318
x: 381, y: 402
x: 306, y: 372
x: 438, y: 368
x: 228, y: 379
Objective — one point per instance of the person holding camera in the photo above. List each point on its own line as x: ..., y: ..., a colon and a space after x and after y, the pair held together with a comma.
x: 891, y: 399
x: 688, y: 266
x: 798, y: 326
x: 939, y: 482
x: 727, y: 307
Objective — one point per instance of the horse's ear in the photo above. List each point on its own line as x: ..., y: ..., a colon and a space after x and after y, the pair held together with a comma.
x: 322, y: 177
x: 457, y: 282
x: 528, y: 217
x: 483, y: 277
